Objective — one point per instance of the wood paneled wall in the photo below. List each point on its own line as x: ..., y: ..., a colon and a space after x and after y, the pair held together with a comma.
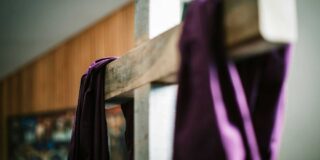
x: 51, y: 82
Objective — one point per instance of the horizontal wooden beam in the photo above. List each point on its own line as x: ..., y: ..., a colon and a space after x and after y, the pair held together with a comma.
x: 157, y: 60
x: 241, y: 21
x: 254, y: 26
x: 151, y: 61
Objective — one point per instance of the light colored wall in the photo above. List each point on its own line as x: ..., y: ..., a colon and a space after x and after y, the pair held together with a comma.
x: 301, y: 138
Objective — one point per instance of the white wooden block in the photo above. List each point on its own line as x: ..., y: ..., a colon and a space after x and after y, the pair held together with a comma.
x: 278, y: 20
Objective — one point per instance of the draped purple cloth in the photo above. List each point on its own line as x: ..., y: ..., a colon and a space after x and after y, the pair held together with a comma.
x: 90, y: 136
x: 226, y: 109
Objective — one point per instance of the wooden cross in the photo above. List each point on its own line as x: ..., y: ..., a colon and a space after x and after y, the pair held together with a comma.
x: 150, y: 69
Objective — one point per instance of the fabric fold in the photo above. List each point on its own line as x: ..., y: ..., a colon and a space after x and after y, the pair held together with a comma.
x: 90, y: 136
x: 226, y: 109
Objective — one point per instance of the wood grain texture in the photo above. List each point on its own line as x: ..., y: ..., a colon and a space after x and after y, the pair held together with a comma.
x: 153, y: 60
x: 242, y: 30
x: 157, y: 59
x: 51, y: 82
x: 252, y: 29
x: 241, y: 21
x: 4, y: 98
x: 141, y: 122
x: 142, y: 15
x: 2, y: 120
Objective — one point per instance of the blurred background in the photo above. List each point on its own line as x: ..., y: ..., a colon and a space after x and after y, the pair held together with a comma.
x: 45, y: 47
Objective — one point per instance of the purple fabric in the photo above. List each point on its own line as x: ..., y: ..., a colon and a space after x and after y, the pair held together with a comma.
x: 226, y: 109
x: 90, y: 137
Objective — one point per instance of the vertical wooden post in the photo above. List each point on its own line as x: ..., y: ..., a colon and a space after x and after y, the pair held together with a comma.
x: 141, y: 94
x: 141, y: 20
x: 141, y: 122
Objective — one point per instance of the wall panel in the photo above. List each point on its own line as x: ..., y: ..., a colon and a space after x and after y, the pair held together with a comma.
x: 51, y: 82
